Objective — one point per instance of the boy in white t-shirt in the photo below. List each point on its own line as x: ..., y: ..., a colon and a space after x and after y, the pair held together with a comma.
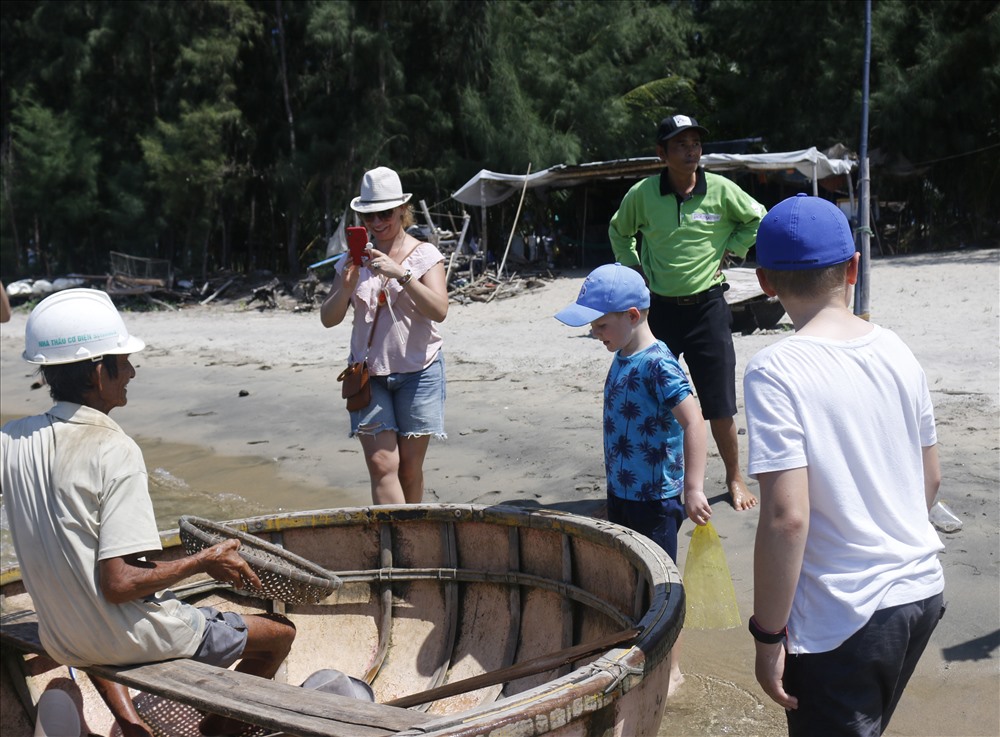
x: 847, y: 583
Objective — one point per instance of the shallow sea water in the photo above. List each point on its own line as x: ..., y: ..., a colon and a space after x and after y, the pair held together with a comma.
x: 185, y: 479
x: 711, y: 705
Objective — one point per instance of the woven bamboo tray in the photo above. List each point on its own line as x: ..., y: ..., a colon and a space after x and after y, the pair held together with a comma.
x: 283, y: 575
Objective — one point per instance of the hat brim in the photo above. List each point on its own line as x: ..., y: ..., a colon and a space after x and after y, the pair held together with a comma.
x: 576, y: 315
x: 359, y: 205
x: 700, y: 129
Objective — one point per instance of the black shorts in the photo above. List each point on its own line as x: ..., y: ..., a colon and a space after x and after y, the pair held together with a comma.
x: 703, y: 335
x: 853, y: 690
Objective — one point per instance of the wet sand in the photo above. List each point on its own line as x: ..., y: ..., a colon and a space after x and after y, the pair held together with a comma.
x: 524, y: 407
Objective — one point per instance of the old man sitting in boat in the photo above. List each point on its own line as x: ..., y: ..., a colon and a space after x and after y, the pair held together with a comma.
x: 82, y: 523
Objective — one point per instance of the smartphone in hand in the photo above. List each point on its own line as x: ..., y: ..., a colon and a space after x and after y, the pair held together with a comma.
x: 357, y: 239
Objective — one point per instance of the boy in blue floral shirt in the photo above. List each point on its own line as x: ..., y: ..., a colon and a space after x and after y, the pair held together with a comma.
x: 654, y: 432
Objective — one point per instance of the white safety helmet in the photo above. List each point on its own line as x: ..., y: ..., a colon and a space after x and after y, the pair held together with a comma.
x: 76, y: 325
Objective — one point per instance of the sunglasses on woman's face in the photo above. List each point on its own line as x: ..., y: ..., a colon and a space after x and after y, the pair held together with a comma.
x: 383, y: 215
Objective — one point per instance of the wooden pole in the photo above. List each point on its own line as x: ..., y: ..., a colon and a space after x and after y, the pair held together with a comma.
x: 436, y: 239
x: 451, y: 261
x: 530, y: 667
x: 513, y: 227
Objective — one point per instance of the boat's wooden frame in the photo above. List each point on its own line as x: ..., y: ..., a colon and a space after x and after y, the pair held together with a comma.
x: 432, y: 595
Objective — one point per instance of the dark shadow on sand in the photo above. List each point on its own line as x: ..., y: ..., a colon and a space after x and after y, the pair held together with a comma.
x: 981, y: 648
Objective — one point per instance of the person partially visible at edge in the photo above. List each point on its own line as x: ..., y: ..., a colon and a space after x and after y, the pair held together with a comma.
x: 689, y: 220
x: 847, y: 583
x: 4, y: 304
x: 404, y: 279
x: 75, y: 489
x: 654, y: 434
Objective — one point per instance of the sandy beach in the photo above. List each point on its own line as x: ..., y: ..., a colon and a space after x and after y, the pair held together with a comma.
x: 251, y: 394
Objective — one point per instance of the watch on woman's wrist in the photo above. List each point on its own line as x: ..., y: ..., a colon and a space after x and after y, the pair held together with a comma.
x: 768, y: 638
x: 405, y: 278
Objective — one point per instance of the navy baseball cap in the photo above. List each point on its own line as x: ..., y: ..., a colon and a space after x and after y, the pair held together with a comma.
x: 670, y: 127
x: 804, y: 232
x: 608, y: 288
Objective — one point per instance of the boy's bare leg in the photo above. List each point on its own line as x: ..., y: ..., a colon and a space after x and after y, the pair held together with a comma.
x: 676, y: 677
x: 119, y: 701
x: 727, y: 441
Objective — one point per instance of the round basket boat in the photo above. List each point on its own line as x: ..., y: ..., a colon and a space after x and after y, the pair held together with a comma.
x: 464, y: 619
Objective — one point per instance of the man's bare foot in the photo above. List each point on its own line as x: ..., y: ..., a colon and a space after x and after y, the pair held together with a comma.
x: 740, y: 496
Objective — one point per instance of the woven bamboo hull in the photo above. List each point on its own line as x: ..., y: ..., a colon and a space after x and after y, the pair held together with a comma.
x: 433, y: 594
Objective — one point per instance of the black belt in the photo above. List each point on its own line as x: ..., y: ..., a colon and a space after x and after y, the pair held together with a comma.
x: 693, y: 299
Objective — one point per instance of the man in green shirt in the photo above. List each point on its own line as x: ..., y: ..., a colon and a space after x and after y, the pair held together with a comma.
x: 689, y: 219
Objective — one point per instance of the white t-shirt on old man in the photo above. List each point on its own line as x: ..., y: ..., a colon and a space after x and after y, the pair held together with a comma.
x: 76, y: 492
x: 856, y: 414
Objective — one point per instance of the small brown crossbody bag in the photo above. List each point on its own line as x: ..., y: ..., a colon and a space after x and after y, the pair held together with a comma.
x: 355, y: 386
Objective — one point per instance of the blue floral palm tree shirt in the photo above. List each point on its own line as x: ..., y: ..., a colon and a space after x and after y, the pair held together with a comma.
x: 643, y: 442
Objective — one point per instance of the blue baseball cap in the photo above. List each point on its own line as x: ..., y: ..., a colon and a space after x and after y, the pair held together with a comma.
x: 804, y: 232
x: 608, y: 288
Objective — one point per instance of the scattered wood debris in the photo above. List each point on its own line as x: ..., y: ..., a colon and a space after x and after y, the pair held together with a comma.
x: 489, y: 287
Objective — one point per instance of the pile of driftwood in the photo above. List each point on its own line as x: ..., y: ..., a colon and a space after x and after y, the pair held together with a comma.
x: 489, y: 287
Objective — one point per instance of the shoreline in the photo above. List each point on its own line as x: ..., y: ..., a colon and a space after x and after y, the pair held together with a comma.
x: 524, y: 427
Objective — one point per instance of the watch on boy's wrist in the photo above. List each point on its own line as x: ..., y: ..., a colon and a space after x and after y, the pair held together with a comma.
x: 768, y: 638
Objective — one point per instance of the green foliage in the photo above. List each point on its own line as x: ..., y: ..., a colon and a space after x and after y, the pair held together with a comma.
x: 50, y: 173
x: 789, y: 72
x: 232, y: 133
x: 936, y: 102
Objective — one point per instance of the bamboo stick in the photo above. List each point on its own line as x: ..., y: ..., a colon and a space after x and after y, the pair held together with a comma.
x: 513, y: 226
x: 531, y: 667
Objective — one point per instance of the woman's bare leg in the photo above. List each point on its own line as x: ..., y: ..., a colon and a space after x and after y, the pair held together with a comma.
x: 382, y: 456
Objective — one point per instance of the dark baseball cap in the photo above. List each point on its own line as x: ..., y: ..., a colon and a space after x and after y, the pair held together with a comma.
x: 670, y: 127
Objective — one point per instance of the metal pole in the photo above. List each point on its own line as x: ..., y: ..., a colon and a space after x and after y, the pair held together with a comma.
x: 862, y: 290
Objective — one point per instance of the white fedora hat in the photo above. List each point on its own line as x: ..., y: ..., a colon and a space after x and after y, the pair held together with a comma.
x: 380, y: 190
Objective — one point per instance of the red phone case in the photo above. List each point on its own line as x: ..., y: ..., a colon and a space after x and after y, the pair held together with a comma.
x: 357, y: 239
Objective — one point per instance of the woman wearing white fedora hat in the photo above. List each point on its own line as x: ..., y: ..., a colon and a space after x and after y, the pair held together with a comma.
x: 398, y: 296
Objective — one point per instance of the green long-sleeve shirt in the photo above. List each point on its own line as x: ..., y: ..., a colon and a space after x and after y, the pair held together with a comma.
x: 683, y: 242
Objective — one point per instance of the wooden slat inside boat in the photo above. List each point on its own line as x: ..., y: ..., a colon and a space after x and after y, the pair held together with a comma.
x: 432, y: 595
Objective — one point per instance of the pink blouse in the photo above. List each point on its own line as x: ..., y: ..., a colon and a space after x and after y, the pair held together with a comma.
x: 411, y: 341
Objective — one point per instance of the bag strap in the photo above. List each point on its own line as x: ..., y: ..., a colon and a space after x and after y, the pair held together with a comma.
x: 378, y: 302
x: 371, y: 334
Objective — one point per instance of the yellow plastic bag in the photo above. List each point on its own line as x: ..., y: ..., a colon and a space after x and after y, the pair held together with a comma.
x: 711, y: 598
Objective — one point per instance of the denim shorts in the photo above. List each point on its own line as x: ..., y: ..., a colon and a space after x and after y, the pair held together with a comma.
x: 410, y: 404
x: 224, y: 638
